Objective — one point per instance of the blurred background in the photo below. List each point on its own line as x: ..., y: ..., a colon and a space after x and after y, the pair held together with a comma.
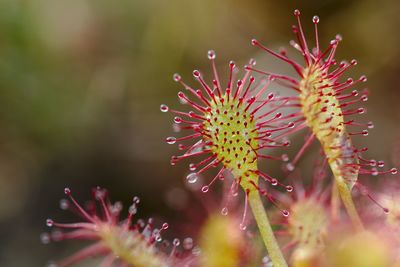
x: 81, y: 83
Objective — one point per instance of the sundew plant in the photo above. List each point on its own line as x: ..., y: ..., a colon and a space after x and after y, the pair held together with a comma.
x: 231, y: 127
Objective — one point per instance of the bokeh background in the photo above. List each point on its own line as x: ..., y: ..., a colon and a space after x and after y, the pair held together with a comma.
x: 81, y: 82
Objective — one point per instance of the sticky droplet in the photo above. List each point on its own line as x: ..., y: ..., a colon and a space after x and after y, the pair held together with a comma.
x: 64, y: 204
x: 211, y: 54
x: 224, y: 211
x: 192, y: 167
x: 67, y: 191
x: 192, y: 178
x: 136, y: 199
x: 176, y: 77
x: 45, y: 238
x: 289, y: 188
x: 176, y: 242
x: 205, y: 189
x: 49, y: 222
x: 170, y: 140
x: 178, y: 119
x: 164, y: 108
x: 285, y: 213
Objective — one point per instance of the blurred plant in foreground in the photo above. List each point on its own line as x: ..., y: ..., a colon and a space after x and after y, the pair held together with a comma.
x: 122, y: 242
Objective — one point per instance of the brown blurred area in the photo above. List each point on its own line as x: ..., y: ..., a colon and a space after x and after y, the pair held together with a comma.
x: 81, y: 83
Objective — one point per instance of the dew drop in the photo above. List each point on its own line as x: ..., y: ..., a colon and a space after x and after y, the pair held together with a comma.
x: 176, y: 128
x: 136, y: 199
x: 289, y: 188
x: 285, y: 157
x: 363, y: 78
x: 178, y: 119
x: 381, y: 163
x: 353, y: 62
x: 365, y: 132
x: 49, y: 222
x: 211, y: 54
x: 370, y: 125
x: 165, y: 226
x: 64, y: 204
x: 274, y: 182
x: 290, y: 166
x: 286, y: 143
x: 141, y: 223
x: 254, y: 41
x: 188, y: 243
x: 176, y: 242
x: 132, y: 209
x: 116, y: 208
x: 192, y: 167
x: 297, y: 12
x: 177, y: 77
x: 360, y: 110
x: 224, y: 211
x: 315, y: 19
x: 164, y: 108
x: 343, y: 64
x: 374, y: 172
x: 192, y: 178
x: 196, y: 73
x: 386, y: 210
x: 100, y: 193
x: 45, y: 238
x: 181, y: 95
x: 170, y: 140
x: 67, y: 191
x: 205, y: 189
x: 393, y: 171
x: 285, y: 213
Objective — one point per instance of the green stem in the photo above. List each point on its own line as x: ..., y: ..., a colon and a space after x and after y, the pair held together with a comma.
x: 347, y: 199
x: 335, y: 203
x: 265, y: 229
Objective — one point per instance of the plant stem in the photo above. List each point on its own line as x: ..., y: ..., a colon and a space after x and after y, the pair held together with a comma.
x: 335, y: 203
x: 265, y: 229
x: 347, y: 199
